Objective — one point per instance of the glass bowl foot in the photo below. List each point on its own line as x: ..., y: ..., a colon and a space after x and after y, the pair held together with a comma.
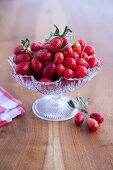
x: 54, y: 108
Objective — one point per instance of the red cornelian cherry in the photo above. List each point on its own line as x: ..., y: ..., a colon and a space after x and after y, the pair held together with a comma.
x: 15, y: 59
x: 82, y: 43
x: 74, y: 55
x: 55, y: 44
x: 60, y: 70
x: 82, y: 62
x: 92, y: 124
x: 93, y: 62
x: 58, y: 58
x: 84, y: 56
x: 18, y: 49
x: 65, y: 40
x: 79, y: 118
x: 36, y: 65
x: 97, y: 116
x: 67, y: 51
x: 77, y: 48
x: 69, y: 62
x: 23, y: 57
x: 46, y: 46
x: 36, y: 46
x: 90, y: 50
x: 49, y: 70
x: 23, y: 68
x: 80, y: 71
x: 43, y: 54
x: 68, y: 73
x: 45, y: 80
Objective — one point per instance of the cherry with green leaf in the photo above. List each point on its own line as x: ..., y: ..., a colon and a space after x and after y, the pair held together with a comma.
x: 92, y: 120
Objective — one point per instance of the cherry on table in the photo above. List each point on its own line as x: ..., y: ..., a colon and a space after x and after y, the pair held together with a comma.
x: 79, y: 118
x: 92, y: 124
x: 97, y: 116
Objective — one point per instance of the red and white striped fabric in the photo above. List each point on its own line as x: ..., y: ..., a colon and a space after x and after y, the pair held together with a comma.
x: 9, y: 107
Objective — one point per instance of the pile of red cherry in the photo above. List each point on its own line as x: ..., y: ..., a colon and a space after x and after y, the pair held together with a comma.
x: 55, y: 58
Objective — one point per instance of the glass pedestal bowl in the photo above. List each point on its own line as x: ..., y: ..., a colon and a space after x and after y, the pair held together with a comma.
x: 53, y: 106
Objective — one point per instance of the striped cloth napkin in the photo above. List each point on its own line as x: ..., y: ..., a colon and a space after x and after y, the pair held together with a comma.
x: 9, y: 107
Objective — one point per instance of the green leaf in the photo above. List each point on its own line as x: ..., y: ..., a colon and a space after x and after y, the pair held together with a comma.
x: 28, y: 42
x: 82, y: 101
x: 51, y: 33
x: 23, y: 42
x: 71, y: 104
x: 86, y: 102
x: 78, y: 99
x: 57, y: 30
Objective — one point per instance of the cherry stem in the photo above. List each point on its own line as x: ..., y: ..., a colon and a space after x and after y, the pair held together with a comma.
x: 56, y: 58
x: 30, y: 53
x: 78, y: 46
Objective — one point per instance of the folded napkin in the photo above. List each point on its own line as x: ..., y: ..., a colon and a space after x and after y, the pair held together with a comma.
x: 9, y: 107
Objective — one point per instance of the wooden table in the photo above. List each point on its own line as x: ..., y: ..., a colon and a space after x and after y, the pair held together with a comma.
x: 29, y: 143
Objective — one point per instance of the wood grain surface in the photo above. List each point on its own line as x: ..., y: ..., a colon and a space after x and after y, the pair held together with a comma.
x: 29, y: 143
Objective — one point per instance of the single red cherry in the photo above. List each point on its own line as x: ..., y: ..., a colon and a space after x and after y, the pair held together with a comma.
x: 68, y: 73
x: 82, y: 43
x: 92, y: 124
x: 84, y: 56
x: 69, y: 62
x: 49, y: 70
x: 90, y: 50
x: 23, y: 68
x: 45, y: 80
x: 46, y: 46
x: 55, y: 44
x: 82, y: 62
x: 36, y: 65
x: 18, y: 49
x: 93, y: 62
x: 80, y: 71
x: 43, y: 54
x: 65, y: 40
x: 60, y: 70
x: 58, y: 58
x: 36, y: 46
x: 67, y: 51
x: 97, y: 116
x: 15, y: 59
x: 79, y: 118
x: 77, y: 48
x: 23, y: 57
x: 75, y: 56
